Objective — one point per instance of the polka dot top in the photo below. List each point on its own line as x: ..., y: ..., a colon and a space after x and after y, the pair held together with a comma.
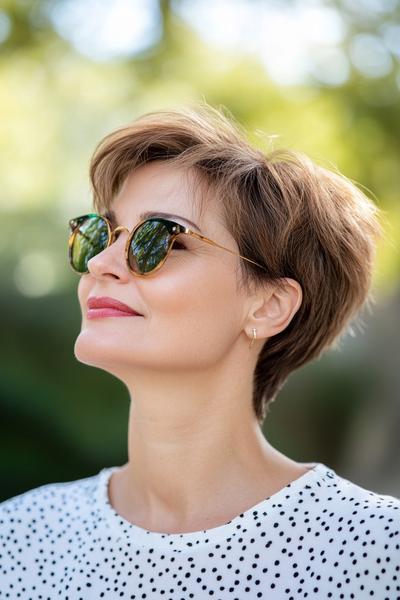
x: 321, y: 536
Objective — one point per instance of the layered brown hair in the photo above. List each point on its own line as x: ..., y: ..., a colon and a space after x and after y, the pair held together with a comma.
x: 294, y: 217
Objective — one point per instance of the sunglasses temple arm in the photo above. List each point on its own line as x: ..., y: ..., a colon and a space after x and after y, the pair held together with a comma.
x: 205, y: 239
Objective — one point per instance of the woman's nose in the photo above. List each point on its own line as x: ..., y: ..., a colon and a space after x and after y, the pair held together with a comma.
x: 111, y: 260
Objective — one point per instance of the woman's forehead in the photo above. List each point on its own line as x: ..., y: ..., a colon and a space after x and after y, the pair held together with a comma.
x: 159, y: 187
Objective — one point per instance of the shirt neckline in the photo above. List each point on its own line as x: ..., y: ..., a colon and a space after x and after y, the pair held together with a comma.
x: 123, y: 529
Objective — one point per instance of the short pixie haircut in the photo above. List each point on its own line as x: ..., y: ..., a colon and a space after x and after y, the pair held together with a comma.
x: 296, y: 218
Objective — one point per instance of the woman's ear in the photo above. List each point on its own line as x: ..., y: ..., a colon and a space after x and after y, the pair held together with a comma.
x: 273, y: 308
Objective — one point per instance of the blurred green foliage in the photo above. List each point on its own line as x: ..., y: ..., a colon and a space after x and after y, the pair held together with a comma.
x: 63, y: 420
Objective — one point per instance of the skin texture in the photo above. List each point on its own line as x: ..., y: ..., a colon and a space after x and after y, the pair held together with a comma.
x: 196, y: 454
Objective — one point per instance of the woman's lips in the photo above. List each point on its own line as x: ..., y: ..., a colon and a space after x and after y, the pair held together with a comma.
x: 95, y: 313
x: 105, y: 306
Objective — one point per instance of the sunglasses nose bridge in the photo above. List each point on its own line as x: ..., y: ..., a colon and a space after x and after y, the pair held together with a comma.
x: 116, y: 231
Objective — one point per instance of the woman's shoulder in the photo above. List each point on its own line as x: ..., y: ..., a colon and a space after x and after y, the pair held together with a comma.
x: 358, y: 513
x: 46, y: 522
x: 348, y: 492
x: 47, y: 499
x: 347, y: 495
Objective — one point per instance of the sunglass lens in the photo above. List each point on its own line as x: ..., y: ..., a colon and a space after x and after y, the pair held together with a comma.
x: 149, y: 246
x: 91, y: 237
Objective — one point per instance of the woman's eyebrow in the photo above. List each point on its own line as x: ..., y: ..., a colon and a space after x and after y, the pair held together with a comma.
x: 111, y: 216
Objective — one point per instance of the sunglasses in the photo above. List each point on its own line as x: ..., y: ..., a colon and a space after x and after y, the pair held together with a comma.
x: 146, y: 249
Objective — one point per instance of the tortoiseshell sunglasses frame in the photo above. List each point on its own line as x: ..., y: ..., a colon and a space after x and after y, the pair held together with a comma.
x: 174, y: 228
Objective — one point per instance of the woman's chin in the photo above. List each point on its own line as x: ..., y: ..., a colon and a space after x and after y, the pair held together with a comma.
x: 100, y: 351
x: 90, y: 349
x: 84, y: 354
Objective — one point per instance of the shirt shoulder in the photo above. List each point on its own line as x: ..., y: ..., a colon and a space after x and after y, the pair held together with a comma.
x: 357, y: 516
x: 40, y: 533
x: 347, y: 495
x: 49, y: 507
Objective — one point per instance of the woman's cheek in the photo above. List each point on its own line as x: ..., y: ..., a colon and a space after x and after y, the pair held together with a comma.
x: 83, y: 291
x: 197, y: 316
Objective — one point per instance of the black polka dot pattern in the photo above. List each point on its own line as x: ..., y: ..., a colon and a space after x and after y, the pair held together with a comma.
x: 321, y: 536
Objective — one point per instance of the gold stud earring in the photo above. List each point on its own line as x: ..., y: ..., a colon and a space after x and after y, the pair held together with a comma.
x: 253, y: 338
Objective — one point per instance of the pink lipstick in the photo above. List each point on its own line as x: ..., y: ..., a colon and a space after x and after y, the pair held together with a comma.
x: 104, y: 306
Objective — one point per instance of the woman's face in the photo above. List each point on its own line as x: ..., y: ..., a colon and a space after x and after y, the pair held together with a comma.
x: 192, y: 312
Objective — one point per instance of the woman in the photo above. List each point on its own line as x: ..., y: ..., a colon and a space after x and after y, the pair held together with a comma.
x: 209, y: 271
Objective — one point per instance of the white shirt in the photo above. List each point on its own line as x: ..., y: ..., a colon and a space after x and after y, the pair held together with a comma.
x: 319, y: 537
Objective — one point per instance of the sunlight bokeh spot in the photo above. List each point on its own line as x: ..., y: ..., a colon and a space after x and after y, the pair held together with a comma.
x: 35, y: 274
x: 370, y: 56
x: 105, y: 30
x: 5, y: 26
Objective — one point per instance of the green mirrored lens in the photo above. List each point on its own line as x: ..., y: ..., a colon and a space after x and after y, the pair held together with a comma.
x: 149, y: 246
x: 91, y: 237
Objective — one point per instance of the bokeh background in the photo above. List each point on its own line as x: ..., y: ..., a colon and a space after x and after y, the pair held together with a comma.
x: 318, y: 76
